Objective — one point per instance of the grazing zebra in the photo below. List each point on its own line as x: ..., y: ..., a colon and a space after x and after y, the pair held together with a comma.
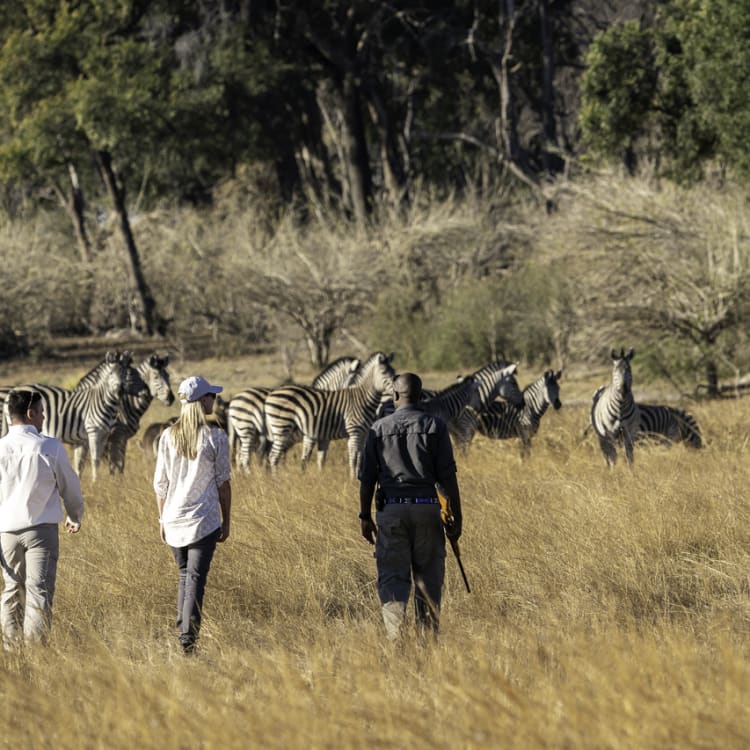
x: 503, y: 420
x: 668, y: 424
x: 245, y: 414
x: 84, y: 417
x: 322, y: 416
x: 153, y: 372
x: 151, y: 435
x: 614, y: 413
x: 246, y: 423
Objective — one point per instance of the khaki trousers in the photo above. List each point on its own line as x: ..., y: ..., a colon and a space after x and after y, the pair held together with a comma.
x: 29, y: 561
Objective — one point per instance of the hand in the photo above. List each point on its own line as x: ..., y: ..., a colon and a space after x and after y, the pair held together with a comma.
x: 453, y: 531
x: 162, y: 534
x: 369, y: 530
x: 224, y: 533
x: 72, y: 527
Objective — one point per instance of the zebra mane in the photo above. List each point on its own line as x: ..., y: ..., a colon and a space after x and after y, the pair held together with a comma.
x: 91, y: 378
x: 337, y: 374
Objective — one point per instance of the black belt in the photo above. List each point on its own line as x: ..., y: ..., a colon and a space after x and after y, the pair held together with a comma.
x: 410, y: 500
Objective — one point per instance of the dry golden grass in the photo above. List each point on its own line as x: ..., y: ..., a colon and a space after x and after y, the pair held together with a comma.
x: 609, y: 609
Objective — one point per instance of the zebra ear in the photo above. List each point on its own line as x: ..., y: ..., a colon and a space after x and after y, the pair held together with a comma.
x: 111, y: 357
x: 153, y: 361
x: 558, y: 375
x: 631, y: 354
x: 390, y: 357
x: 354, y: 366
x: 614, y: 354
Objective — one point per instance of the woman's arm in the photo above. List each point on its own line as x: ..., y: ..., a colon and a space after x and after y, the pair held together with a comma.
x: 225, y: 501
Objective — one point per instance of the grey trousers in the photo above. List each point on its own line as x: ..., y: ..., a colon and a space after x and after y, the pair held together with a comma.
x: 193, y: 562
x: 29, y: 560
x: 410, y: 542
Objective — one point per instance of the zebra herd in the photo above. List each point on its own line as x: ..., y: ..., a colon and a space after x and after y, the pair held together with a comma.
x: 100, y: 415
x: 103, y: 411
x: 346, y: 398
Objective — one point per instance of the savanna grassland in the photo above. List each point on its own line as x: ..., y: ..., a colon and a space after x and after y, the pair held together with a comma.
x: 609, y: 609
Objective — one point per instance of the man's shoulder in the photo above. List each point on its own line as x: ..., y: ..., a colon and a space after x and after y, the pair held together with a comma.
x: 411, y: 415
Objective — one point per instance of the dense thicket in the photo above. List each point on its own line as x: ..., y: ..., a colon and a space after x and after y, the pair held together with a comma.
x: 359, y: 168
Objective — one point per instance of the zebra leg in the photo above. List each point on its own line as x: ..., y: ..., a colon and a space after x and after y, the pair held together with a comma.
x: 279, y: 445
x: 115, y: 448
x: 245, y: 442
x: 322, y: 452
x: 354, y: 445
x: 627, y: 439
x: 609, y: 450
x: 308, y: 444
x: 525, y: 447
x: 80, y: 456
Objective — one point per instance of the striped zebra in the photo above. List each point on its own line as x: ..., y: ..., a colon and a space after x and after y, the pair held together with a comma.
x: 322, y: 416
x: 496, y: 379
x: 84, y: 417
x: 246, y: 417
x: 668, y: 424
x: 451, y: 401
x: 614, y: 413
x: 503, y: 420
x: 153, y: 372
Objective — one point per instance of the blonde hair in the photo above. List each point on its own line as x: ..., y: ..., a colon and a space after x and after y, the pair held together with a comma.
x: 187, y: 429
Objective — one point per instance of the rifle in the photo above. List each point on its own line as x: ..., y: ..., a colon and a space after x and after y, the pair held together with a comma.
x: 446, y: 516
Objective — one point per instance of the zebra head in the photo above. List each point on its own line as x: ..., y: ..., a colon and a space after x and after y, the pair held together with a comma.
x: 508, y: 387
x: 131, y: 381
x: 155, y: 375
x: 468, y: 387
x: 552, y: 388
x: 378, y: 369
x: 622, y: 377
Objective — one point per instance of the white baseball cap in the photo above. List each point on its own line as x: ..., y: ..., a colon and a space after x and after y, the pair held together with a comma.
x: 195, y: 387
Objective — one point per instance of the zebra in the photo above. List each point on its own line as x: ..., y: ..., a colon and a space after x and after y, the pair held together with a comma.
x: 495, y: 379
x: 614, y: 412
x: 153, y: 372
x: 668, y: 424
x: 245, y: 414
x: 322, y: 416
x: 84, y: 417
x: 504, y: 420
x: 451, y: 401
x: 246, y: 423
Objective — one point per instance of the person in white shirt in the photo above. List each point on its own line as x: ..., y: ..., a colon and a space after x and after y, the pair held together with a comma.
x: 35, y: 475
x: 194, y: 497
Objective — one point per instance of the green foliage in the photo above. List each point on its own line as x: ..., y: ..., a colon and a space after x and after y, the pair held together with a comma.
x: 676, y: 93
x: 517, y: 317
x: 618, y: 87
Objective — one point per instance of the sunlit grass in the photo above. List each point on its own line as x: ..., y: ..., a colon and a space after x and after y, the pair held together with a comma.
x: 609, y: 609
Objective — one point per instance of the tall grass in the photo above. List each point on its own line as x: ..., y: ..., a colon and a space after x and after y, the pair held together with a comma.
x: 608, y: 609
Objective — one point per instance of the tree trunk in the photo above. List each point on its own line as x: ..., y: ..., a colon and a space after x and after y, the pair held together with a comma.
x: 394, y: 175
x: 74, y: 206
x: 551, y: 161
x: 712, y: 379
x: 357, y: 163
x: 143, y: 302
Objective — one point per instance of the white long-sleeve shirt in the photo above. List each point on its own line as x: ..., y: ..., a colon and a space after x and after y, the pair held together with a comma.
x: 35, y: 475
x: 191, y: 488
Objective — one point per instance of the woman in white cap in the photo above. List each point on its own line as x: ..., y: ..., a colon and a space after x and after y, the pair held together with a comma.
x: 194, y: 496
